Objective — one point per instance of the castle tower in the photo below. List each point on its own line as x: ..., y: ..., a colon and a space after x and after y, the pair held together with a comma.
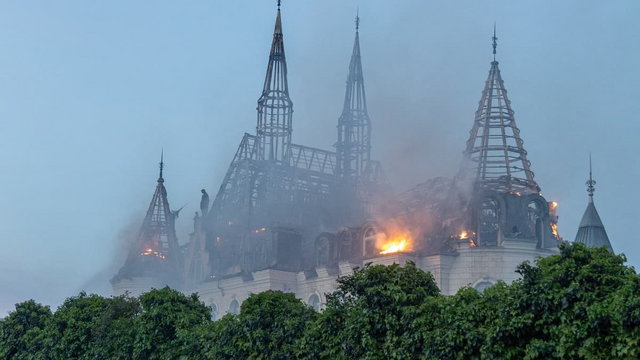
x: 495, y: 152
x: 353, y: 149
x: 155, y: 254
x: 505, y: 202
x: 275, y: 108
x: 591, y: 231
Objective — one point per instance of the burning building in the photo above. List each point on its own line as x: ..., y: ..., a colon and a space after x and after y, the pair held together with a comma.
x: 294, y: 218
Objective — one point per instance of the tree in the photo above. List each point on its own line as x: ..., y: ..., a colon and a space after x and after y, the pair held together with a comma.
x: 22, y: 331
x: 165, y: 325
x: 569, y: 306
x: 93, y: 327
x: 269, y: 326
x: 369, y: 316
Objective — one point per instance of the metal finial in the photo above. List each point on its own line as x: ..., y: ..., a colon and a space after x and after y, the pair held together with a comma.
x: 495, y: 41
x: 590, y: 183
x: 279, y: 5
x: 161, y: 165
x: 358, y: 18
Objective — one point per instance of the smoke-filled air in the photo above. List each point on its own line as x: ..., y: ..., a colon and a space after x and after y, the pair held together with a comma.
x: 192, y: 143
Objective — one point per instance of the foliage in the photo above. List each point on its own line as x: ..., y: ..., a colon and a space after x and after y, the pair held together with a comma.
x: 22, y: 331
x: 369, y: 315
x: 583, y: 303
x: 164, y: 325
x: 269, y: 326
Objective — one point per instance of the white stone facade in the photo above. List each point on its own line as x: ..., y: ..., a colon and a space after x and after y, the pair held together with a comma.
x: 478, y: 267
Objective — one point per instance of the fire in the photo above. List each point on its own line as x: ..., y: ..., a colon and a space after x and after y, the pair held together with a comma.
x: 554, y: 205
x: 463, y: 235
x: 149, y: 251
x: 554, y: 230
x: 394, y: 246
x: 258, y: 231
x: 399, y: 241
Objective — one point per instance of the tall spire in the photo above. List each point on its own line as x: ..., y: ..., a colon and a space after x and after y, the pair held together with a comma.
x: 274, y: 105
x: 157, y: 239
x: 495, y: 150
x: 591, y: 231
x: 354, y: 126
x: 495, y: 41
x: 160, y: 178
x: 590, y: 183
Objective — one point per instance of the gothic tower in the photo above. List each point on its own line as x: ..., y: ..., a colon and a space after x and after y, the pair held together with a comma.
x: 155, y: 253
x: 591, y: 231
x: 274, y: 105
x: 505, y: 201
x: 353, y: 149
x: 495, y: 148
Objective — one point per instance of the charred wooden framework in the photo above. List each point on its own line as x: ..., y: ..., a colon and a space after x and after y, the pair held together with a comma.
x: 156, y: 253
x: 276, y: 195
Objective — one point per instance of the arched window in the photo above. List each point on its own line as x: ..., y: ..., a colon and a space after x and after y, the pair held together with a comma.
x: 314, y: 302
x: 369, y: 238
x: 534, y: 212
x: 234, y: 307
x: 214, y: 311
x: 483, y: 285
x: 489, y: 222
x: 322, y: 250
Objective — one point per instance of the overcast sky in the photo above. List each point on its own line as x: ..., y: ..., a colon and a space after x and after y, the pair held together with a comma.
x: 90, y: 91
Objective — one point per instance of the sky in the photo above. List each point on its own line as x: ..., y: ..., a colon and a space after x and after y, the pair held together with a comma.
x: 92, y: 91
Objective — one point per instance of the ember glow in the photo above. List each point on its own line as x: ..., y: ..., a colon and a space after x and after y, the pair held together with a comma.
x: 398, y: 242
x: 554, y: 230
x: 149, y: 251
x: 463, y: 235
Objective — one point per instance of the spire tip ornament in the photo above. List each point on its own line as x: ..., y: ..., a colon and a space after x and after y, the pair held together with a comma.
x: 590, y: 183
x: 495, y: 41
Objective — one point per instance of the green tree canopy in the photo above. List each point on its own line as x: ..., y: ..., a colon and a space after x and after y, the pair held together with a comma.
x: 269, y: 326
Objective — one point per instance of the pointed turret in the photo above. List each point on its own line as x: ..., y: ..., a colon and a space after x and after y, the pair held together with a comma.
x: 274, y: 106
x: 591, y: 231
x: 495, y: 153
x: 155, y: 254
x: 354, y: 126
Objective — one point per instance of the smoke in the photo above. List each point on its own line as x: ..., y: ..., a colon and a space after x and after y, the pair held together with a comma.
x: 99, y: 282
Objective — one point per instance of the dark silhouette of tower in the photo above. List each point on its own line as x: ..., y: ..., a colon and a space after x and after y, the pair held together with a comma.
x: 591, y: 231
x: 277, y: 195
x: 275, y: 108
x: 156, y: 252
x: 353, y: 148
x: 496, y: 157
x: 502, y: 200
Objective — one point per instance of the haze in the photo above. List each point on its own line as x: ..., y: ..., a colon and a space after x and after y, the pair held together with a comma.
x: 90, y: 92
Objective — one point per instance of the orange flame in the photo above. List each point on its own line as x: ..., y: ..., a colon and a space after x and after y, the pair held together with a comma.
x: 463, y: 235
x: 149, y: 251
x: 554, y: 230
x: 397, y: 242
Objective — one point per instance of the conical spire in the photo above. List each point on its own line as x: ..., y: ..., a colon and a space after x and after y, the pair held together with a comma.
x: 495, y: 151
x: 157, y: 236
x: 274, y: 106
x: 354, y: 126
x: 591, y: 231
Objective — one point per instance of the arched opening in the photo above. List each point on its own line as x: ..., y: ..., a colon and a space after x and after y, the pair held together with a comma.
x: 214, y: 311
x: 234, y: 307
x: 369, y: 238
x: 323, y: 251
x: 483, y: 285
x: 489, y: 223
x: 314, y: 302
x: 534, y: 216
